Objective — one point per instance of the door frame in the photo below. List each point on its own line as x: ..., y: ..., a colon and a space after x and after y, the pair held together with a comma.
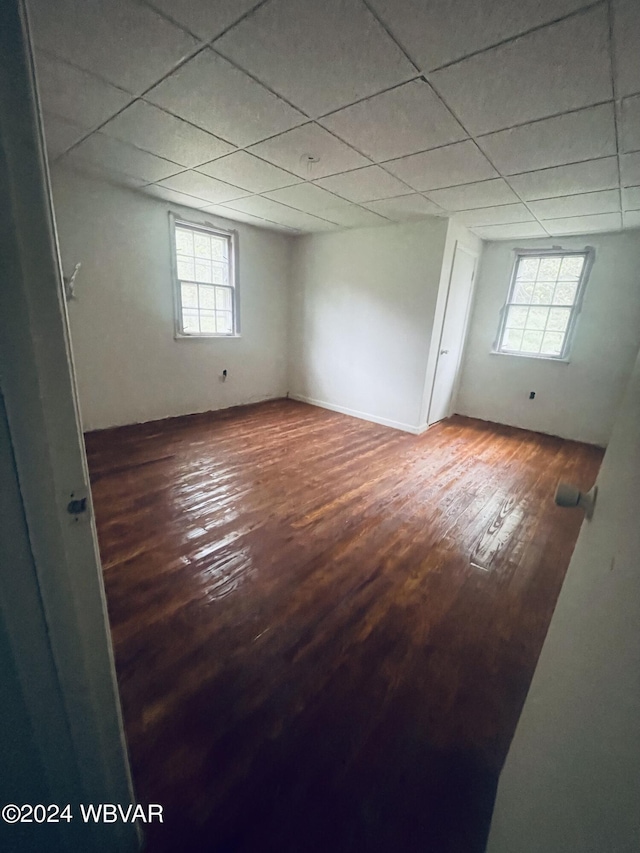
x: 38, y: 386
x: 458, y: 246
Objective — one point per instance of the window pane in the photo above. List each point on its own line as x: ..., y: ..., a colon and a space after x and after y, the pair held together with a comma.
x: 208, y: 322
x: 528, y: 269
x: 224, y: 322
x: 190, y: 323
x: 558, y: 319
x: 565, y: 293
x: 202, y: 245
x: 220, y: 273
x: 511, y: 339
x: 571, y: 268
x: 523, y: 291
x: 223, y: 299
x: 552, y: 343
x: 189, y: 295
x: 517, y: 317
x: 549, y: 269
x: 202, y: 270
x: 531, y: 341
x: 543, y: 293
x: 219, y: 250
x: 207, y: 297
x: 184, y: 241
x: 537, y: 318
x: 186, y: 269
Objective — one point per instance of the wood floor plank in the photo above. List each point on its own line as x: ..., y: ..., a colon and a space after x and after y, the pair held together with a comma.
x: 325, y: 629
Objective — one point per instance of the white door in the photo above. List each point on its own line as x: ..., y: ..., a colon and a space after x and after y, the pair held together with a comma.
x: 453, y: 333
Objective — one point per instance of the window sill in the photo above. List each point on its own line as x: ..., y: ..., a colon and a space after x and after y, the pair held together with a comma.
x: 534, y: 357
x: 179, y: 337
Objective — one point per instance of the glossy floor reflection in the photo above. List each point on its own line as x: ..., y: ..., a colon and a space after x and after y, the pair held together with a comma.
x: 325, y: 629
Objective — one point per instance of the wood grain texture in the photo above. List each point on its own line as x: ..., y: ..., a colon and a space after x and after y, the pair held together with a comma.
x: 325, y: 629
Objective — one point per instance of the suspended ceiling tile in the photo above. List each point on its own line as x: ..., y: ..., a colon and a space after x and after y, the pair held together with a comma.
x: 60, y: 134
x: 601, y: 222
x: 161, y: 133
x: 626, y: 45
x: 202, y: 186
x: 279, y: 213
x: 111, y: 154
x: 460, y: 163
x: 631, y: 219
x: 308, y: 197
x: 631, y: 198
x: 583, y: 135
x: 244, y: 170
x: 76, y: 95
x: 158, y: 191
x: 468, y: 196
x: 630, y: 169
x: 125, y: 43
x: 205, y: 18
x: 630, y: 121
x: 238, y: 216
x: 405, y: 208
x: 588, y: 176
x: 353, y: 216
x: 319, y: 56
x: 513, y: 231
x: 582, y: 204
x: 502, y: 214
x: 291, y: 151
x: 210, y: 93
x: 562, y: 67
x: 401, y: 121
x: 440, y: 31
x: 368, y: 184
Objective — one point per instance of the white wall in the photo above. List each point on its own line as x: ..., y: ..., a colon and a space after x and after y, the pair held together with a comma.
x: 129, y: 366
x: 576, y: 400
x: 572, y: 781
x: 363, y: 305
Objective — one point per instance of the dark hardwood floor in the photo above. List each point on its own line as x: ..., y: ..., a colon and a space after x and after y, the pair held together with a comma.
x: 325, y: 629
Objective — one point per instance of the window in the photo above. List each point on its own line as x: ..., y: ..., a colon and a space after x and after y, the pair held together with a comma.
x: 543, y: 303
x: 206, y: 294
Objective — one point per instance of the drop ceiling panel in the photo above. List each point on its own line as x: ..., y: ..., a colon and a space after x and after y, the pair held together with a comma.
x: 244, y: 170
x: 440, y: 31
x: 502, y: 214
x: 308, y: 197
x: 460, y: 163
x: 238, y: 216
x: 76, y: 95
x: 514, y: 231
x: 584, y: 224
x: 60, y: 134
x: 630, y: 169
x: 175, y: 197
x: 266, y: 208
x: 289, y: 151
x: 481, y: 194
x: 320, y: 56
x: 210, y: 93
x: 126, y: 43
x: 630, y: 120
x: 353, y: 216
x: 111, y: 176
x: 563, y: 67
x: 589, y: 176
x: 202, y: 186
x: 631, y: 219
x: 402, y: 121
x: 583, y: 135
x: 582, y: 204
x: 405, y: 208
x: 111, y: 154
x: 631, y: 198
x: 366, y: 184
x: 161, y: 133
x: 205, y: 18
x: 626, y: 45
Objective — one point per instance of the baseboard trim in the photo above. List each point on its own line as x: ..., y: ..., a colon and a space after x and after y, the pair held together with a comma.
x: 354, y: 413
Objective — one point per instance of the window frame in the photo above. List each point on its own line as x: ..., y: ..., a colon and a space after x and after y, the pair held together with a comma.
x: 588, y: 252
x: 232, y: 237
